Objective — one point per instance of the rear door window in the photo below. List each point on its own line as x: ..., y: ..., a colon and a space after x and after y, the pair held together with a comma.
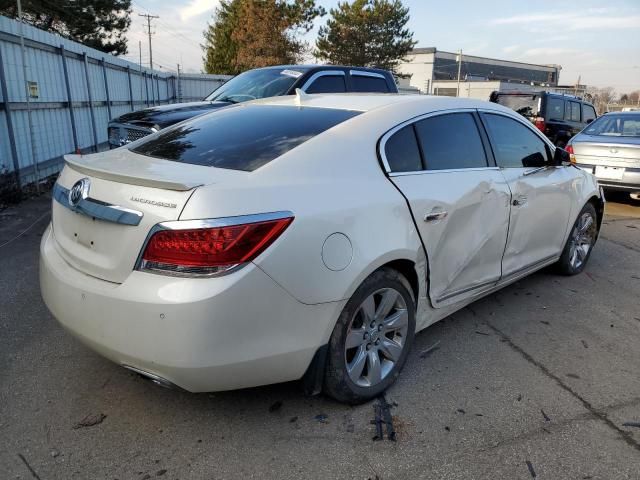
x: 514, y: 145
x: 555, y: 108
x: 241, y: 137
x: 572, y: 112
x: 588, y: 113
x: 362, y: 83
x: 451, y: 141
x: 328, y: 84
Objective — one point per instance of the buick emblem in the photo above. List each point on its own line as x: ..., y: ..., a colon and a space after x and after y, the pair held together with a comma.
x: 79, y: 191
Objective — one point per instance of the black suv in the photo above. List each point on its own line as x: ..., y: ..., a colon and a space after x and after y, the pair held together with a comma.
x: 556, y: 115
x: 251, y: 85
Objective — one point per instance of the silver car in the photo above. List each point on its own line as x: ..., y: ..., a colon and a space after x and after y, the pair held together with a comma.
x: 610, y: 149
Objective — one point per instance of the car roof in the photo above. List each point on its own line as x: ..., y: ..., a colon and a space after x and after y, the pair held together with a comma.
x: 312, y: 66
x: 628, y: 112
x: 364, y: 102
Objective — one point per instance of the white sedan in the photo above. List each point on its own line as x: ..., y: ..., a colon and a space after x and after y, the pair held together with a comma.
x: 306, y: 237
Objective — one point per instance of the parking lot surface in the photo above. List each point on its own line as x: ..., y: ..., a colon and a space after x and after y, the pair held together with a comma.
x: 535, y: 381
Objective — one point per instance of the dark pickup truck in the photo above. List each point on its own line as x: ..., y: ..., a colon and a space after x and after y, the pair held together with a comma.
x: 251, y: 85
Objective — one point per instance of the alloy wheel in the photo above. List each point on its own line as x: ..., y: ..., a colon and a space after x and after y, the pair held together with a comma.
x: 582, y: 239
x: 376, y: 337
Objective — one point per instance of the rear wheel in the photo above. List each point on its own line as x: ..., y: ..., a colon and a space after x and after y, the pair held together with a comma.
x: 578, y: 248
x: 371, y: 340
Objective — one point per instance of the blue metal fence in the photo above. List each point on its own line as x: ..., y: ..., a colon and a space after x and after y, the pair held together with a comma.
x: 73, y: 93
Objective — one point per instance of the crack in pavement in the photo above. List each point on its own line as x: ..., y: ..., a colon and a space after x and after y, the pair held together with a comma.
x: 602, y: 416
x: 620, y: 244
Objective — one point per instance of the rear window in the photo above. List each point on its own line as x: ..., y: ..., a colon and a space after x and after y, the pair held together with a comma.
x: 615, y: 125
x: 555, y: 108
x: 243, y: 137
x: 526, y: 105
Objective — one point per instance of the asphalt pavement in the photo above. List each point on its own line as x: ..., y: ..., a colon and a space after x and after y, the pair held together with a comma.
x: 535, y: 381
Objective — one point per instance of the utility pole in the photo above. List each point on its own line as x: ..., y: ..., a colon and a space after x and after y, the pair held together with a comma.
x: 149, y: 18
x: 459, y: 68
x: 179, y: 87
x: 140, y: 52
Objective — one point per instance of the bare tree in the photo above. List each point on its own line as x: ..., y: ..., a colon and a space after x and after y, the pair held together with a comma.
x: 601, y: 97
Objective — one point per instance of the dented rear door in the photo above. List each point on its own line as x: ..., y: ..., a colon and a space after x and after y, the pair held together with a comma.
x: 459, y: 201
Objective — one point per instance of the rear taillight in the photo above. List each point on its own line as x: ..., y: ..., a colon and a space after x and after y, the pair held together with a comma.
x: 539, y: 123
x: 572, y: 156
x: 214, y: 248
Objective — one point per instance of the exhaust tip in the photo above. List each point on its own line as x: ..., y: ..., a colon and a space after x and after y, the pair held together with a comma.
x: 153, y: 378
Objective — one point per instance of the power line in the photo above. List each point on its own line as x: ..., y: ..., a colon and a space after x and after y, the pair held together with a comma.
x: 149, y: 18
x: 167, y: 29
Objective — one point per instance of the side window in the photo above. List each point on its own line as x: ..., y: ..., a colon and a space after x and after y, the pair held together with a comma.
x: 555, y: 108
x: 514, y: 145
x: 402, y: 152
x: 572, y: 112
x: 363, y: 83
x: 588, y: 113
x: 328, y: 84
x: 451, y: 141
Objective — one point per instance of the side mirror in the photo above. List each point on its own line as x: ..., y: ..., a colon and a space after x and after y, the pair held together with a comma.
x: 535, y: 160
x: 590, y: 120
x: 560, y: 157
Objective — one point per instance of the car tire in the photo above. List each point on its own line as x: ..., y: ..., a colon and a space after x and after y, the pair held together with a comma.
x: 372, y: 338
x: 580, y: 243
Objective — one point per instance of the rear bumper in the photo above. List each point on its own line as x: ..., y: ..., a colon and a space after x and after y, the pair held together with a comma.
x: 630, y: 180
x: 236, y: 331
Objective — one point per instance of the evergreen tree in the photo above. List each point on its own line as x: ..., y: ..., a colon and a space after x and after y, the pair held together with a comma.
x: 100, y: 24
x: 247, y: 34
x: 368, y: 33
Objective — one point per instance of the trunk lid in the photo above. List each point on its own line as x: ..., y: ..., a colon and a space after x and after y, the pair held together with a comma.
x: 108, y: 246
x: 599, y: 150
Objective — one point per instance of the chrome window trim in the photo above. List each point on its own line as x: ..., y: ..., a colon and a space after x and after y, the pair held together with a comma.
x: 322, y: 73
x: 363, y: 73
x: 389, y: 133
x: 97, y: 209
x: 205, y: 223
x: 448, y: 170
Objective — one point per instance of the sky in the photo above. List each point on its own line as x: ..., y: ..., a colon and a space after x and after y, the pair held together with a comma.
x: 596, y: 41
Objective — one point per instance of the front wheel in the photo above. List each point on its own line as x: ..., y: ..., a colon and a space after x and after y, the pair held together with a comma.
x: 371, y: 340
x: 578, y: 248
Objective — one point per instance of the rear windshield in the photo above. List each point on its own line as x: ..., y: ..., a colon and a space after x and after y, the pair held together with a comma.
x: 526, y: 105
x: 243, y: 137
x: 615, y: 126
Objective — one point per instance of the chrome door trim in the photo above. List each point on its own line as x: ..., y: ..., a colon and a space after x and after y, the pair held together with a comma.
x: 383, y: 142
x: 97, y: 209
x: 363, y: 73
x: 323, y: 73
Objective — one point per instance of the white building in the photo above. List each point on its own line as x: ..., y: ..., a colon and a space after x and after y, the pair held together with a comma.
x: 436, y: 72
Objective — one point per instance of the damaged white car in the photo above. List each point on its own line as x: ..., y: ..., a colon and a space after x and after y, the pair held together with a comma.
x: 306, y: 237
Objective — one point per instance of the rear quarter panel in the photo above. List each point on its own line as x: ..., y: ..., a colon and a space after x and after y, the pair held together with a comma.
x: 333, y: 183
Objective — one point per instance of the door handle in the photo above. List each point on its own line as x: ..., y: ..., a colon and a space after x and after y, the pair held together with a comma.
x: 434, y: 217
x: 520, y: 201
